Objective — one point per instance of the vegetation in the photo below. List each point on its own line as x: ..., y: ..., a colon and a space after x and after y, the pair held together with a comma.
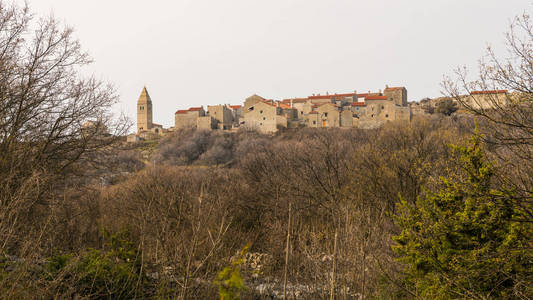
x: 389, y: 213
x: 462, y: 241
x: 229, y: 281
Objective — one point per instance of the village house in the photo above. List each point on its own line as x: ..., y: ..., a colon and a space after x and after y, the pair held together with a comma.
x: 268, y: 116
x: 364, y: 110
x: 486, y: 99
x: 189, y: 118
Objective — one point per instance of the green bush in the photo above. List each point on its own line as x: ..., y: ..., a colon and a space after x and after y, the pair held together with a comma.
x: 112, y: 273
x: 229, y: 281
x: 463, y: 241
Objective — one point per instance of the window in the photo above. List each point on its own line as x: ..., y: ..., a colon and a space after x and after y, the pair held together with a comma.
x: 260, y: 111
x: 141, y: 128
x: 326, y: 115
x: 251, y: 108
x: 261, y: 124
x: 357, y: 108
x: 372, y: 115
x: 386, y: 116
x: 301, y: 113
x: 141, y: 107
x: 382, y: 107
x: 264, y: 118
x: 314, y: 122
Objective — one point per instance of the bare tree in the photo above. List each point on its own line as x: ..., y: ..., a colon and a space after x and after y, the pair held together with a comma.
x: 502, y: 98
x: 51, y: 117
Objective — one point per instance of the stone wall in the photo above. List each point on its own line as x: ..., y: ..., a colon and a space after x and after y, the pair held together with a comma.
x: 346, y: 119
x: 222, y: 114
x: 262, y: 117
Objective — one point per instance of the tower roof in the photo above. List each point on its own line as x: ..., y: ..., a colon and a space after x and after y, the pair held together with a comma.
x: 144, y: 97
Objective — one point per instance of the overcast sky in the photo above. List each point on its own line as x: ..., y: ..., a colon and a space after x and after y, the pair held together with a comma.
x: 200, y: 52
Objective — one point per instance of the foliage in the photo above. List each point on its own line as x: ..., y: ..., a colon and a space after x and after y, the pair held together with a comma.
x: 463, y: 241
x: 114, y: 273
x: 229, y: 281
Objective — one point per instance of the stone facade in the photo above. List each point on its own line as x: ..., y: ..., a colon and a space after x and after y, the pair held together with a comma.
x: 250, y: 101
x: 188, y: 118
x: 263, y: 117
x: 487, y: 99
x: 206, y: 123
x: 328, y: 115
x: 398, y: 95
x: 222, y: 114
x: 144, y: 111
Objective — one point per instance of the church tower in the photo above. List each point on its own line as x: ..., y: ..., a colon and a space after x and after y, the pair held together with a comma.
x: 144, y: 112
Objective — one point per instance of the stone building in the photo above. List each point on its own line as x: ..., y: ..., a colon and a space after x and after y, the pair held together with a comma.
x: 487, y: 99
x: 238, y: 116
x: 268, y: 116
x: 328, y: 114
x: 188, y: 118
x: 248, y: 102
x: 222, y: 115
x: 398, y: 95
x: 264, y: 117
x: 144, y: 111
x: 146, y: 128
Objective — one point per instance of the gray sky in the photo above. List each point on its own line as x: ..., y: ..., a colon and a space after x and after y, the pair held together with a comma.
x: 199, y: 52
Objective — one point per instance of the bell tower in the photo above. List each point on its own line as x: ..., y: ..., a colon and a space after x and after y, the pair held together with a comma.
x: 144, y: 111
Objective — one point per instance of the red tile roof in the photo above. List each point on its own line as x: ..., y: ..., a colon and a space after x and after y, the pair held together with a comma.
x: 267, y: 102
x: 488, y: 92
x: 362, y: 95
x: 376, y: 98
x: 358, y: 104
x: 335, y: 96
x: 283, y: 105
x: 182, y: 111
x: 235, y: 106
x: 196, y: 108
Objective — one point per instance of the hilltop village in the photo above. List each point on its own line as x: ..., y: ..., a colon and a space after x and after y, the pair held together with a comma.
x: 363, y: 110
x: 268, y: 116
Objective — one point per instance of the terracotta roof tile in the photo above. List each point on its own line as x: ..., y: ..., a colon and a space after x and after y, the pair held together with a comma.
x: 182, y: 111
x: 376, y: 98
x: 235, y: 106
x: 335, y: 96
x: 196, y: 108
x: 358, y: 104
